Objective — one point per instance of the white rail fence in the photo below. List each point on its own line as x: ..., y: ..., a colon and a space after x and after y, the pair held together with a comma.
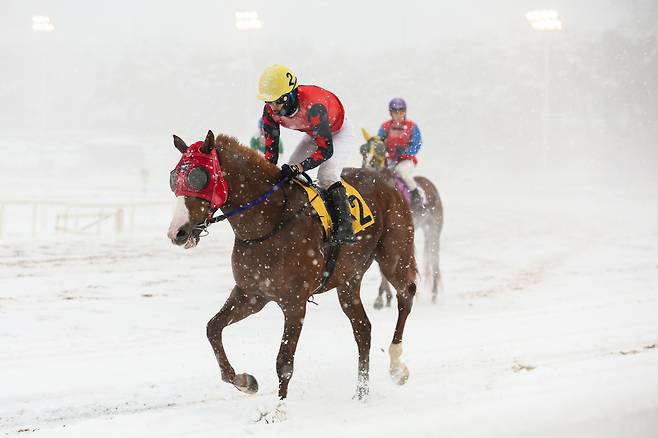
x: 33, y: 218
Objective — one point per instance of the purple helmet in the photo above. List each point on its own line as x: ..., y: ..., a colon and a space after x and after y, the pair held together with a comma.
x: 396, y: 104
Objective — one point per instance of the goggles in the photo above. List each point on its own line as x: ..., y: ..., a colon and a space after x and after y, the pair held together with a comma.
x: 280, y: 101
x: 196, y: 179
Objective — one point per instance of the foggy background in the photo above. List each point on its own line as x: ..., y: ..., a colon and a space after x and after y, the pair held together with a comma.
x: 88, y: 109
x: 546, y: 325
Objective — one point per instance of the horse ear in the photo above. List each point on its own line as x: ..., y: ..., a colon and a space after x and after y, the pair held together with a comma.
x: 365, y: 134
x: 180, y: 144
x: 209, y: 143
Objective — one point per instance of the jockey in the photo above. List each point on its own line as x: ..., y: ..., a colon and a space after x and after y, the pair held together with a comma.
x: 402, y: 139
x: 327, y: 144
x: 257, y: 140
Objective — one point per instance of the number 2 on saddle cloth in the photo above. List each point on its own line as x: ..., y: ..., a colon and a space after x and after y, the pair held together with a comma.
x: 362, y: 217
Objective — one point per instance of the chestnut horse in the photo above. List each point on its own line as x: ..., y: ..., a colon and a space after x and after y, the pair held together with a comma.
x: 279, y: 249
x: 429, y: 219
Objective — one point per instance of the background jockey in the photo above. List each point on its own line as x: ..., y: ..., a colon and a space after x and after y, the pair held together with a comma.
x: 403, y: 141
x: 327, y: 144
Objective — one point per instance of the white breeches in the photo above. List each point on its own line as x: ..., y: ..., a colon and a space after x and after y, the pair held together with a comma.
x: 346, y: 144
x: 405, y: 169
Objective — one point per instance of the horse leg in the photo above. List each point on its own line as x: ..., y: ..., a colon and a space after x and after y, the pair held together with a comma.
x: 350, y: 302
x: 294, y: 319
x: 383, y: 287
x: 401, y: 272
x: 398, y: 370
x: 237, y: 307
x: 389, y: 294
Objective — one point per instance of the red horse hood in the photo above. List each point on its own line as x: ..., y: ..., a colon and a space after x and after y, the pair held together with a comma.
x: 200, y: 175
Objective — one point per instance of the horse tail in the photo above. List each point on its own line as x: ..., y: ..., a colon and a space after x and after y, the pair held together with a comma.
x: 432, y: 225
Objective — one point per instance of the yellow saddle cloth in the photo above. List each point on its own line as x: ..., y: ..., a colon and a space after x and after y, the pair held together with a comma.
x: 362, y: 217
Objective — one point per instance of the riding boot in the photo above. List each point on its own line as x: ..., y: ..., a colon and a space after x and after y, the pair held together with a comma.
x: 416, y: 200
x: 340, y: 214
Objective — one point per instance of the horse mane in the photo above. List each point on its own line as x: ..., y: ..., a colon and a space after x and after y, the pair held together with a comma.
x: 227, y: 144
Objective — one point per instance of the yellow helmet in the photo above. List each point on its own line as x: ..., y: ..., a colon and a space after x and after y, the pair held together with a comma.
x: 275, y: 81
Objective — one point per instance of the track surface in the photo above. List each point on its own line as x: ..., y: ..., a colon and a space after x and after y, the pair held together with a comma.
x: 547, y: 325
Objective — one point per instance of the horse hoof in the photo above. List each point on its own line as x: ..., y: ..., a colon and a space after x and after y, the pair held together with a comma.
x: 400, y: 375
x: 362, y: 394
x: 246, y: 383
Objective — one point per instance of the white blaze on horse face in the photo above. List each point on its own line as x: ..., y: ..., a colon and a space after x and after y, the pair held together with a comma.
x: 181, y: 217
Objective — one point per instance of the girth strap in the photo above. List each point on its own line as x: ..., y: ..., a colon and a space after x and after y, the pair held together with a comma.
x: 329, y: 266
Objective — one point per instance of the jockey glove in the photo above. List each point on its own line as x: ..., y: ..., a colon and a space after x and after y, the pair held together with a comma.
x: 290, y: 170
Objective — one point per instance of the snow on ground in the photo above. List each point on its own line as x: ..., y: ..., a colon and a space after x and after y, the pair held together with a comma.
x: 546, y: 326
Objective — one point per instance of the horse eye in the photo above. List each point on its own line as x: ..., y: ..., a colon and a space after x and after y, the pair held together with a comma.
x: 172, y: 180
x: 198, y: 178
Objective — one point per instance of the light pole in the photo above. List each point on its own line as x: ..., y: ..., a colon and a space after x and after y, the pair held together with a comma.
x: 545, y: 21
x: 248, y: 22
x: 42, y: 24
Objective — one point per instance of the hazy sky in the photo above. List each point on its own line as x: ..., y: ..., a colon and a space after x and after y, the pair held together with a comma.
x: 108, y: 86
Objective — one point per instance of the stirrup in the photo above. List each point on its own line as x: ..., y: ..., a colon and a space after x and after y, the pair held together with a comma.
x: 416, y: 200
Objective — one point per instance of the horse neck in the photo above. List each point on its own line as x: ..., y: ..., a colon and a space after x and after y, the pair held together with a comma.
x: 373, y: 163
x: 247, y: 181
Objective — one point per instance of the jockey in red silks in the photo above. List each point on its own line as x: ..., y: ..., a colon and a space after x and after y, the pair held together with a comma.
x: 403, y: 141
x: 327, y: 144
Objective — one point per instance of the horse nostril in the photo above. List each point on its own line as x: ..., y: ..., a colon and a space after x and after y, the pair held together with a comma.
x: 181, y: 234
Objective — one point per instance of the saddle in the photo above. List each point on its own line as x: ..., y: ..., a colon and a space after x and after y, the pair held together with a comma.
x: 362, y: 216
x: 406, y: 193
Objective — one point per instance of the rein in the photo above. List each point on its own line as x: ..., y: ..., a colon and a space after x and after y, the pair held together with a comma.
x: 262, y: 198
x: 282, y: 223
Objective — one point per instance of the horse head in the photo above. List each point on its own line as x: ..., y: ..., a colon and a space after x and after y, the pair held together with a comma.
x: 200, y: 187
x: 373, y: 151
